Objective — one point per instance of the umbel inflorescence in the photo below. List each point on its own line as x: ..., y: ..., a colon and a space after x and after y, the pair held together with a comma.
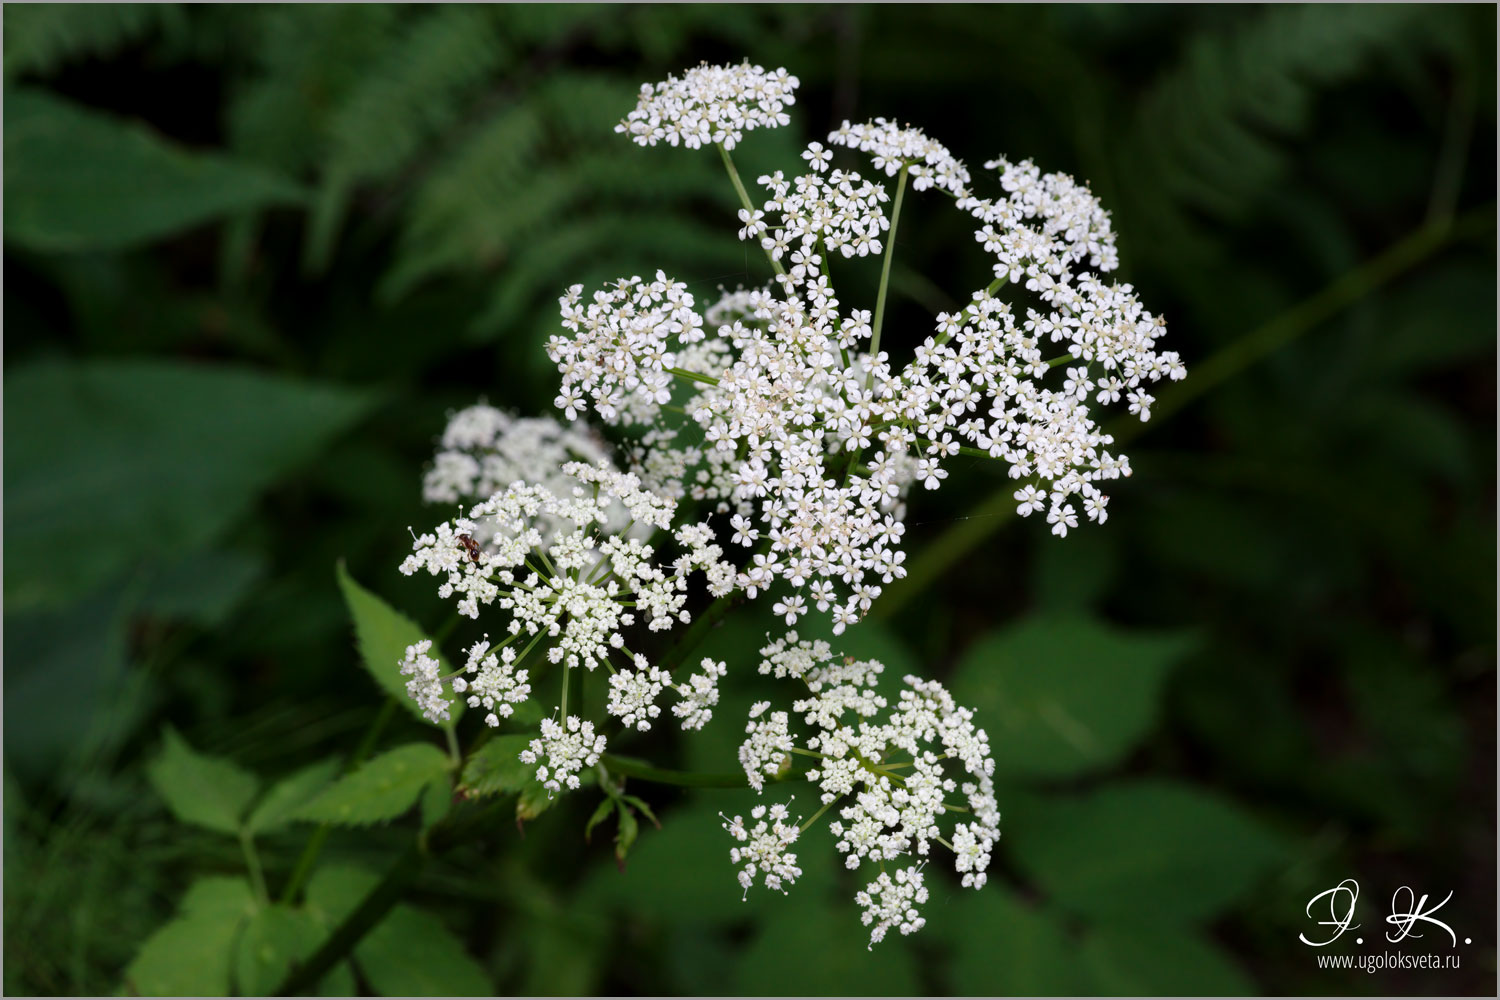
x: 769, y: 446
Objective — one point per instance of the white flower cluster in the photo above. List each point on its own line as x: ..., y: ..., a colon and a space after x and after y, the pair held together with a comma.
x: 497, y: 685
x: 891, y: 903
x: 887, y: 767
x: 763, y: 849
x: 426, y: 684
x: 700, y: 693
x: 563, y: 750
x: 710, y: 104
x: 484, y: 450
x: 808, y: 442
x: 927, y: 163
x: 580, y: 587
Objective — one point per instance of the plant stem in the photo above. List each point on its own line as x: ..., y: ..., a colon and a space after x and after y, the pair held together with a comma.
x: 885, y: 276
x: 984, y: 520
x: 252, y: 862
x: 693, y: 637
x: 739, y: 189
x: 447, y: 834
x: 815, y: 817
x: 316, y: 840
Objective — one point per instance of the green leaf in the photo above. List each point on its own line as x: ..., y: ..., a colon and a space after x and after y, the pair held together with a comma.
x: 274, y: 938
x: 814, y: 948
x: 383, y: 633
x: 411, y: 953
x: 276, y: 807
x: 1062, y: 695
x: 76, y: 179
x: 625, y: 835
x: 496, y: 767
x: 1003, y: 946
x: 1148, y: 961
x: 533, y: 801
x: 334, y: 891
x: 202, y: 790
x: 157, y: 459
x: 382, y: 789
x: 437, y: 800
x: 190, y: 956
x: 601, y: 812
x: 1184, y: 853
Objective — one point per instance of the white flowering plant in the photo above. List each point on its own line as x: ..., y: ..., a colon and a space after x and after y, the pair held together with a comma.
x: 757, y: 448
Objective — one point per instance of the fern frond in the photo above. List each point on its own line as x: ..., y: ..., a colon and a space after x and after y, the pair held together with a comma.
x: 41, y: 38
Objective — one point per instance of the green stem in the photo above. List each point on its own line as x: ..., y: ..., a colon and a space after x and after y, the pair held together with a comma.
x: 739, y: 189
x: 252, y: 862
x: 319, y: 836
x: 693, y: 637
x: 885, y: 276
x: 816, y: 816
x: 449, y: 833
x: 995, y: 510
x: 453, y: 751
x: 691, y: 376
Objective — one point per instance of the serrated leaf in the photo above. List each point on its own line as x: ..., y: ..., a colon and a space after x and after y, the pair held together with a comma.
x: 276, y: 807
x: 383, y: 633
x: 1061, y: 695
x: 496, y: 767
x: 76, y: 179
x: 1189, y: 852
x: 204, y: 791
x: 182, y: 451
x: 382, y: 789
x: 411, y: 953
x: 191, y: 955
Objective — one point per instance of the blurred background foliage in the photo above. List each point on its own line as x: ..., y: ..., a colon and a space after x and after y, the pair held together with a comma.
x: 255, y: 254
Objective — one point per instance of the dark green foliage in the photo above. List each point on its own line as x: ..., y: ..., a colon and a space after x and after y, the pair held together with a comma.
x: 254, y: 255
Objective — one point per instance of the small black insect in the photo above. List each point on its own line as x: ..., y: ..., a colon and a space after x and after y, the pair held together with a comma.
x: 467, y: 543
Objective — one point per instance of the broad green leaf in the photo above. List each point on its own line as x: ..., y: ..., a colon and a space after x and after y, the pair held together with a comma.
x: 334, y: 891
x: 1142, y: 960
x: 76, y: 179
x: 276, y: 807
x: 1062, y: 695
x: 437, y: 800
x: 274, y: 938
x: 411, y: 953
x: 496, y: 767
x: 202, y: 790
x: 1184, y: 853
x: 383, y: 633
x: 382, y: 789
x: 191, y: 955
x: 157, y: 459
x: 812, y: 948
x: 1004, y: 946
